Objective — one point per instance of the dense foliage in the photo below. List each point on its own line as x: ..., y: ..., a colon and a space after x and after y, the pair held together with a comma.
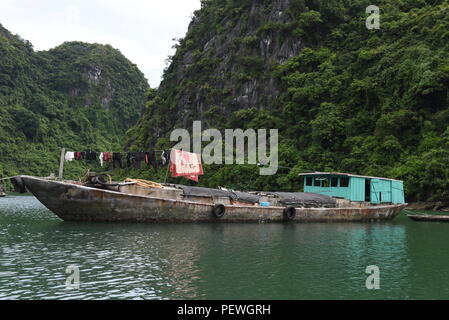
x: 79, y: 96
x: 371, y: 102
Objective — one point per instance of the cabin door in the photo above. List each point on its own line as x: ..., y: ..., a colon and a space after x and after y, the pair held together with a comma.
x: 375, y: 191
x: 367, y: 190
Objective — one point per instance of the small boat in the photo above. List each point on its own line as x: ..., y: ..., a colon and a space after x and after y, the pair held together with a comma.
x: 429, y: 217
x: 2, y: 192
x: 140, y: 201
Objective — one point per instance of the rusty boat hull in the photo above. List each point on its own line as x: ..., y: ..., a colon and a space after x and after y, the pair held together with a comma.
x: 72, y: 202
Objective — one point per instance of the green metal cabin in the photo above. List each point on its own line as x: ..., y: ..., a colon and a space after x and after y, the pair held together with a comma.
x: 354, y: 187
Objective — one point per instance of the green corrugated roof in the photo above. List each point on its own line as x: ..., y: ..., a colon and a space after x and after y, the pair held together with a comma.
x: 343, y: 174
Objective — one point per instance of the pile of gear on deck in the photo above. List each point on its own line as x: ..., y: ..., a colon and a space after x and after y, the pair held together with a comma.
x: 292, y: 199
x: 286, y: 199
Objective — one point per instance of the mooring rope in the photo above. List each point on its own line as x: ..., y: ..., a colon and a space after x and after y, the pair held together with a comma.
x: 145, y: 183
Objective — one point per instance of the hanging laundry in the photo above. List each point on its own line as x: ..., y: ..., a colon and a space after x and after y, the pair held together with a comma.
x: 138, y: 158
x: 101, y: 159
x: 129, y: 159
x: 77, y: 155
x: 150, y: 159
x: 107, y: 156
x: 91, y: 155
x: 134, y: 159
x: 168, y: 153
x: 117, y: 160
x: 153, y: 160
x: 69, y: 156
x: 165, y: 157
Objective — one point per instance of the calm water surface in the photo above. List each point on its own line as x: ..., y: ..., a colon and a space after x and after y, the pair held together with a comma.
x: 217, y: 261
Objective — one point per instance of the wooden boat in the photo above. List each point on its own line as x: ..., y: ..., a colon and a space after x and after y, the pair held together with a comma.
x: 72, y: 201
x: 428, y: 217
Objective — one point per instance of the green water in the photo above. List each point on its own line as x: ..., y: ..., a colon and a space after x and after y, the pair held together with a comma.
x: 217, y: 261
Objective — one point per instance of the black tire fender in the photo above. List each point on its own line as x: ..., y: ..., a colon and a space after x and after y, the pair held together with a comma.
x: 218, y: 210
x: 289, y: 213
x: 99, y: 179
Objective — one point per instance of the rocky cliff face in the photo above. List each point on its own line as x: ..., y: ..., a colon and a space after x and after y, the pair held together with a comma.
x: 243, y: 56
x: 224, y: 64
x: 344, y: 97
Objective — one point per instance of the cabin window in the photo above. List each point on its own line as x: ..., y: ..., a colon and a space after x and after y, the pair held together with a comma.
x: 325, y: 183
x: 344, y: 182
x: 316, y: 182
x: 309, y: 181
x: 334, y: 182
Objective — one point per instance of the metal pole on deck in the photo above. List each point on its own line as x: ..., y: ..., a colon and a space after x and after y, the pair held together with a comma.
x: 61, y: 163
x: 166, y: 173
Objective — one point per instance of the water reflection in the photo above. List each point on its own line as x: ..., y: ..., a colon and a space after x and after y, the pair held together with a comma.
x: 205, y: 261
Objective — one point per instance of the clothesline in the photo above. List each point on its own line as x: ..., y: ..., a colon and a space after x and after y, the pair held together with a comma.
x: 133, y: 158
x: 90, y: 150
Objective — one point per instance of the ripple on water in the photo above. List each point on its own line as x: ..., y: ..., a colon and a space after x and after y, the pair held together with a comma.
x: 215, y: 261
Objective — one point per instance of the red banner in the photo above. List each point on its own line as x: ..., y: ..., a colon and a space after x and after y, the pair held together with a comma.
x: 185, y: 164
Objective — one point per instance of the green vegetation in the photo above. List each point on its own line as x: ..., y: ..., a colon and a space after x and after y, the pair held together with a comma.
x: 371, y: 102
x: 344, y: 98
x: 79, y: 96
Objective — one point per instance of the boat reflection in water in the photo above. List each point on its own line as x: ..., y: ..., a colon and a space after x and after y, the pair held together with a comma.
x: 217, y: 261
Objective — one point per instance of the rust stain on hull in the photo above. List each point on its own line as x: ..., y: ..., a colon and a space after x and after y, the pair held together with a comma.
x: 78, y: 203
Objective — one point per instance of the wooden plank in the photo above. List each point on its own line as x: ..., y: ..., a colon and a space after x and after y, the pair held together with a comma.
x: 61, y: 164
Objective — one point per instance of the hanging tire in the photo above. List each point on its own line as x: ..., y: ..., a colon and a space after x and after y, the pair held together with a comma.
x: 218, y: 211
x: 289, y: 213
x: 18, y: 184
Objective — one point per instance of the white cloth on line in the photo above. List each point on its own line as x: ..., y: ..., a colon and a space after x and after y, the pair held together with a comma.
x: 69, y: 156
